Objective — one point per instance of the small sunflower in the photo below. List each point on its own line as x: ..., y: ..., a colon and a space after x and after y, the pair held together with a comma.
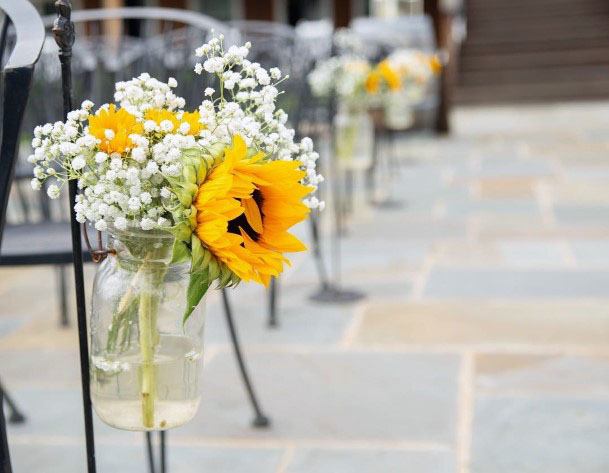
x: 383, y: 74
x: 159, y: 115
x: 373, y: 82
x: 435, y: 64
x: 389, y: 75
x: 113, y: 127
x: 194, y: 121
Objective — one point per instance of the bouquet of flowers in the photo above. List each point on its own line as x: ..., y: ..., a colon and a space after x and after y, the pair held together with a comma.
x: 216, y: 189
x: 406, y: 70
x: 343, y: 75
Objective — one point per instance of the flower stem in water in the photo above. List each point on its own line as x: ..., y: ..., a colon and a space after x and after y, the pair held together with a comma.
x: 147, y: 325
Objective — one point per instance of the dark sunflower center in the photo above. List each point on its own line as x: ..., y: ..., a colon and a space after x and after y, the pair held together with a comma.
x: 241, y: 220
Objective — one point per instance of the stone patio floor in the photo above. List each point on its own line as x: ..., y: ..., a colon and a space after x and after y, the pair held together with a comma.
x: 482, y: 347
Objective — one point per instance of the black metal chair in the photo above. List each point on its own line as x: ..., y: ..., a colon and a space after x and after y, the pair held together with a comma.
x: 16, y: 79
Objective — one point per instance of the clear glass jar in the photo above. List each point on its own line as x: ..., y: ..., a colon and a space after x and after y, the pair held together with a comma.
x: 399, y: 111
x: 354, y: 136
x: 145, y: 362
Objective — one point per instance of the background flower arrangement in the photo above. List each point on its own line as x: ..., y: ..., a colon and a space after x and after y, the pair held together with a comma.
x: 408, y: 71
x: 343, y: 75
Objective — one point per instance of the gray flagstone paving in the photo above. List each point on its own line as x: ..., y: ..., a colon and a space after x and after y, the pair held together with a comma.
x: 482, y: 347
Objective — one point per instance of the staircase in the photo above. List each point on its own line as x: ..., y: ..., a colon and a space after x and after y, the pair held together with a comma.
x: 534, y: 50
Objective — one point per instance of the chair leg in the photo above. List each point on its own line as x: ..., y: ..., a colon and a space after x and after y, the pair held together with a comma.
x: 63, y: 297
x: 150, y: 452
x: 349, y: 192
x: 5, y: 457
x: 317, y: 254
x: 273, y: 289
x: 371, y: 171
x: 15, y: 417
x: 163, y: 451
x: 260, y: 420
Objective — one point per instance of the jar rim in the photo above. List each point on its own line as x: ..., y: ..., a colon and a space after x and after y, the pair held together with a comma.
x: 138, y: 232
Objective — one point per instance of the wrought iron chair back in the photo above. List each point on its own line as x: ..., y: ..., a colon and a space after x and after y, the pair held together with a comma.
x: 313, y: 44
x: 117, y: 44
x: 274, y: 45
x: 16, y: 76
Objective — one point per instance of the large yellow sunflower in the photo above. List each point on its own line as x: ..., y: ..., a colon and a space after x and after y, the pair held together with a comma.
x: 113, y: 127
x: 245, y: 207
x: 271, y: 196
x: 215, y: 208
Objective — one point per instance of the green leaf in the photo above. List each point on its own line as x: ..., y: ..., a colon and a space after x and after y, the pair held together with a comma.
x: 192, y: 152
x: 202, y: 171
x: 198, y: 253
x: 207, y: 256
x: 189, y: 174
x: 225, y: 276
x: 180, y: 253
x: 214, y: 270
x: 197, y: 287
x: 192, y: 217
x: 184, y: 195
x: 181, y: 231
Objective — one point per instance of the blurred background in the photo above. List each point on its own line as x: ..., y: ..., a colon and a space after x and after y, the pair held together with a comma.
x: 452, y: 314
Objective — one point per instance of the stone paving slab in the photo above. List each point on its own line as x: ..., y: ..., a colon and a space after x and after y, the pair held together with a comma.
x: 500, y: 167
x: 548, y: 376
x: 425, y: 229
x: 581, y: 214
x: 360, y: 254
x: 374, y: 461
x: 119, y: 458
x: 531, y: 253
x: 589, y: 253
x: 492, y: 283
x: 578, y: 192
x: 540, y: 435
x: 461, y: 253
x: 41, y: 367
x: 301, y: 321
x: 334, y: 396
x: 481, y: 323
x: 505, y: 207
x: 491, y: 227
x: 588, y: 172
x: 507, y: 187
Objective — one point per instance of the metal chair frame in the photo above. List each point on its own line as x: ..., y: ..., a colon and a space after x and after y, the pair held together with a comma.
x: 16, y: 82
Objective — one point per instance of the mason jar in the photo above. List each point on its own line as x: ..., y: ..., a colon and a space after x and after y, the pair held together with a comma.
x: 146, y: 360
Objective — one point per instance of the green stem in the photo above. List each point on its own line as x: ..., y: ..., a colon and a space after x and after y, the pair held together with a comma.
x: 152, y: 275
x: 148, y: 335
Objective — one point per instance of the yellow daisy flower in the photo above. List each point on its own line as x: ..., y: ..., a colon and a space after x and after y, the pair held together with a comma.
x: 160, y: 114
x: 113, y: 127
x: 192, y: 118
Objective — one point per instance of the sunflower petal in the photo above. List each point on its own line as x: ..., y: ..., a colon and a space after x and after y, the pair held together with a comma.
x: 252, y: 214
